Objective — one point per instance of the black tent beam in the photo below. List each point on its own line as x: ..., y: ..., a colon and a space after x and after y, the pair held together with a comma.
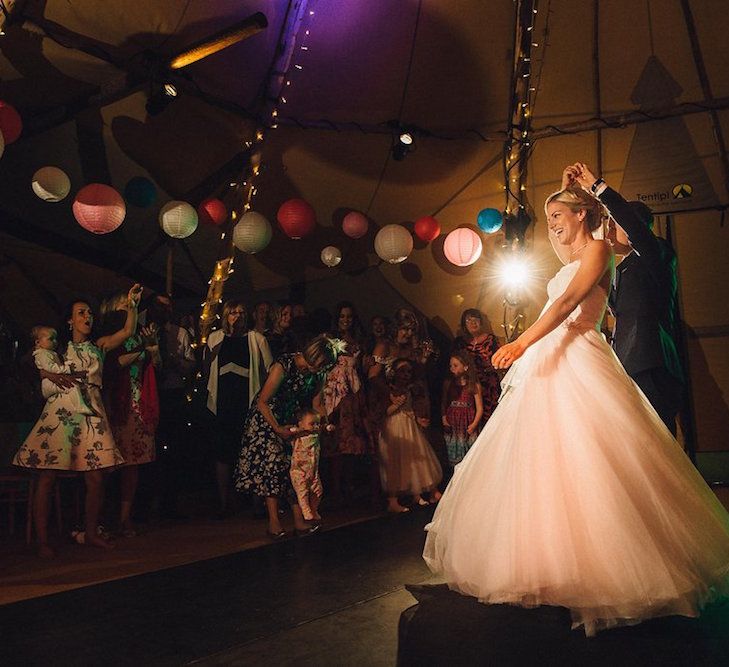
x: 706, y: 89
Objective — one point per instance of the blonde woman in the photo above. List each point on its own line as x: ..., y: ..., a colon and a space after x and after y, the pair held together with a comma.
x: 236, y: 363
x: 575, y: 494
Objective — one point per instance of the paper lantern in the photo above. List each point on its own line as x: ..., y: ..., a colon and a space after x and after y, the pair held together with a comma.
x: 99, y: 208
x: 140, y: 191
x: 331, y: 256
x: 490, y: 220
x: 212, y: 212
x: 427, y: 228
x: 51, y: 184
x: 393, y: 244
x: 297, y: 218
x: 11, y: 124
x: 252, y: 233
x: 2, y: 143
x: 462, y: 247
x: 355, y: 225
x: 178, y: 219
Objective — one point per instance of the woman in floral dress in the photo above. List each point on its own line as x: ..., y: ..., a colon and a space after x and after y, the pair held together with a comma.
x: 66, y: 440
x: 346, y: 405
x: 294, y: 381
x: 130, y: 394
x: 481, y: 345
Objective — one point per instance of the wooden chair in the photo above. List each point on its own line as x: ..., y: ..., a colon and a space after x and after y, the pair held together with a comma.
x: 16, y: 487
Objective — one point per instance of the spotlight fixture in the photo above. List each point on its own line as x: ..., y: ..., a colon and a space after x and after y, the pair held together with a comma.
x: 160, y: 97
x: 402, y: 144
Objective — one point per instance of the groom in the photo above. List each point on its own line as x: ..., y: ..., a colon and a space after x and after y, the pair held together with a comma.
x: 643, y: 299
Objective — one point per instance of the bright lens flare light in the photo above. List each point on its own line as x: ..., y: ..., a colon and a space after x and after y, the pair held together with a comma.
x: 515, y: 273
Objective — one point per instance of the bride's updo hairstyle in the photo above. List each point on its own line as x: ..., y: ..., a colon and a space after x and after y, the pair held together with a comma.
x: 576, y: 199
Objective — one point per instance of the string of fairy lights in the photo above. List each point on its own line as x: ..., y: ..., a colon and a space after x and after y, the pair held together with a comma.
x: 284, y: 73
x: 516, y: 154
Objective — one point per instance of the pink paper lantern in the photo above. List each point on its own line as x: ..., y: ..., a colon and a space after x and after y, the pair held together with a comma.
x: 427, y: 228
x: 297, y: 218
x: 355, y: 225
x: 212, y: 212
x: 11, y: 124
x: 99, y: 208
x: 462, y: 246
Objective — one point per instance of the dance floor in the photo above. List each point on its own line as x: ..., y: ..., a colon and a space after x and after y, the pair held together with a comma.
x: 330, y: 599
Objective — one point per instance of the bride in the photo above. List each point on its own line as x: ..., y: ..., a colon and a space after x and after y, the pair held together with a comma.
x: 575, y: 494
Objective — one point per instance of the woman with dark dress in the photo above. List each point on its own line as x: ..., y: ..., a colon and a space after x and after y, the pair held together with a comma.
x: 481, y: 345
x: 236, y: 362
x: 295, y: 381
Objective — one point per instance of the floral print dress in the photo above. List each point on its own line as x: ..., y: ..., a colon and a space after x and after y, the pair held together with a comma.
x: 346, y: 407
x: 487, y: 375
x: 133, y: 430
x: 265, y: 458
x: 63, y: 439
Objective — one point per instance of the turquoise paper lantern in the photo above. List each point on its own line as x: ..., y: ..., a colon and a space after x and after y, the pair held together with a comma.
x: 140, y: 191
x: 490, y: 220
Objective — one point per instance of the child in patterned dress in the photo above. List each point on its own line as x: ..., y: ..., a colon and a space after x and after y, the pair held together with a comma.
x: 304, y: 469
x: 461, y: 407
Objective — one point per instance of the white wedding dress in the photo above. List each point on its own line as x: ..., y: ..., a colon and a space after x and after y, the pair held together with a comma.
x: 575, y: 494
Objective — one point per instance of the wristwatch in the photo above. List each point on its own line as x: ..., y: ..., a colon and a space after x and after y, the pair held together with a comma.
x: 596, y: 185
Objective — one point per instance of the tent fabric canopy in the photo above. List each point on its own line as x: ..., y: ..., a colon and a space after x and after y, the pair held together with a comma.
x: 81, y: 74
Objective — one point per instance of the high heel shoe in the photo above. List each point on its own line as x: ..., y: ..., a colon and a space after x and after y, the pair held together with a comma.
x: 307, y: 531
x: 276, y: 536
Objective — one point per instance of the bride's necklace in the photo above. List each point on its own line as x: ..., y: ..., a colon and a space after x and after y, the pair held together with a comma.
x: 582, y: 247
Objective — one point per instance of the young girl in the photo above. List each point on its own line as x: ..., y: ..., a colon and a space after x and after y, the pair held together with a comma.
x: 408, y: 465
x: 305, y: 463
x: 47, y: 359
x: 461, y: 407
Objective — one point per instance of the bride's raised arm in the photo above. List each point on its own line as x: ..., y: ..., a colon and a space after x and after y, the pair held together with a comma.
x: 596, y: 260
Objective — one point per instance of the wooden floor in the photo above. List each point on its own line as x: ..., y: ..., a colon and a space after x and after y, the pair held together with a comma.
x: 157, y: 547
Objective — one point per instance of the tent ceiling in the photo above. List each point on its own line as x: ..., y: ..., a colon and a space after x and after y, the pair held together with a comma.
x: 354, y: 69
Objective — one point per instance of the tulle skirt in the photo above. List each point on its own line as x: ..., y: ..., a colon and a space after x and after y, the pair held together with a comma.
x: 575, y: 494
x: 408, y: 464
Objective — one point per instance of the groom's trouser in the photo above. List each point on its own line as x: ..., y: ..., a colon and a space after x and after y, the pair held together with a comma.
x: 664, y: 392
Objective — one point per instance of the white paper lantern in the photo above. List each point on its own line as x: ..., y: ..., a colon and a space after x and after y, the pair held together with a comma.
x: 393, y: 244
x: 331, y: 256
x: 178, y: 219
x: 462, y: 246
x: 252, y: 233
x: 51, y: 184
x: 2, y: 143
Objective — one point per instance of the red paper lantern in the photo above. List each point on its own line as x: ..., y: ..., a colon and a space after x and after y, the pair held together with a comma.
x: 355, y: 225
x: 297, y: 218
x: 427, y: 228
x: 99, y: 208
x: 11, y: 124
x: 212, y: 211
x: 462, y: 247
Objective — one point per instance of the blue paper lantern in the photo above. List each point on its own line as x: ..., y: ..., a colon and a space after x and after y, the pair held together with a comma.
x: 490, y: 220
x: 140, y: 191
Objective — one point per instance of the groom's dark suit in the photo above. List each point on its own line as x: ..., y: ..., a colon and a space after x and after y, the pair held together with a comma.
x: 643, y: 301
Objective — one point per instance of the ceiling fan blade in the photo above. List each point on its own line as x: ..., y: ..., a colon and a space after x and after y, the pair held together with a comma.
x: 219, y: 41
